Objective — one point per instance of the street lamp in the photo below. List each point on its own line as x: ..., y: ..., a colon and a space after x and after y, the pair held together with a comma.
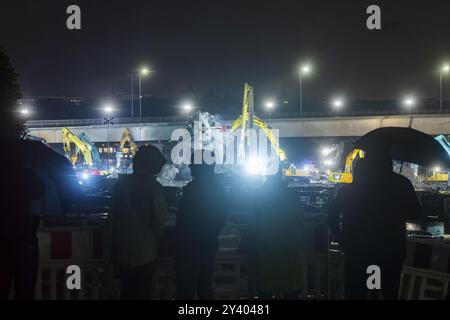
x: 143, y: 72
x: 108, y: 120
x: 187, y: 107
x: 24, y: 111
x: 409, y: 102
x: 338, y: 103
x: 305, y: 70
x: 445, y: 68
x: 269, y: 106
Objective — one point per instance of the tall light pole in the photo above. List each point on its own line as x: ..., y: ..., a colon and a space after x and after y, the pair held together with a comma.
x: 132, y: 97
x: 409, y: 102
x: 108, y: 109
x: 443, y: 70
x: 187, y: 107
x: 305, y: 69
x: 338, y: 103
x: 142, y: 72
x: 269, y: 104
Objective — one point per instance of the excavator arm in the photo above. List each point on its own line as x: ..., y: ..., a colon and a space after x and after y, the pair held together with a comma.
x: 248, y: 117
x: 68, y: 139
x: 128, y: 137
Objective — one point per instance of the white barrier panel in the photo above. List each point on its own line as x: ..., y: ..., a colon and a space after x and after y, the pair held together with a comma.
x: 420, y: 284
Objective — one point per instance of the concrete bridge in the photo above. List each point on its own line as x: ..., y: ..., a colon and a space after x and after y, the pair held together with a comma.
x: 161, y: 128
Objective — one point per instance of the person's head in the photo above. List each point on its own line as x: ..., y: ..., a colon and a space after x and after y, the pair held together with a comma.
x: 148, y: 160
x: 374, y: 164
x: 10, y: 123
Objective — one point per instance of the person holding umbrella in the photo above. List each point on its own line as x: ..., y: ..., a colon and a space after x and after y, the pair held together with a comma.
x: 368, y: 216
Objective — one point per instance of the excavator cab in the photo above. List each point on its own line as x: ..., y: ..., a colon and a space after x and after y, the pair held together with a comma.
x: 346, y: 176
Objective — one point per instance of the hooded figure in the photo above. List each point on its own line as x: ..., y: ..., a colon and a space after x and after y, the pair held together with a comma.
x: 138, y: 213
x: 202, y: 214
x: 368, y: 218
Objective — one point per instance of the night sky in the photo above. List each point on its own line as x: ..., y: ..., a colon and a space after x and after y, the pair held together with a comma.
x: 214, y: 46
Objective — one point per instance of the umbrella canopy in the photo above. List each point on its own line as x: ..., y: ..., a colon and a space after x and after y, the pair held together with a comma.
x: 405, y: 144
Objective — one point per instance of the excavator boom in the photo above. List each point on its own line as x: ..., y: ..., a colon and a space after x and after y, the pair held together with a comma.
x: 68, y: 138
x: 247, y: 118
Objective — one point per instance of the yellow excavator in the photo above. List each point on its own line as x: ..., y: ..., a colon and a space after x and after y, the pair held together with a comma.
x: 91, y: 157
x: 70, y: 138
x: 248, y: 118
x: 132, y: 146
x: 127, y: 151
x: 347, y: 175
x: 439, y: 175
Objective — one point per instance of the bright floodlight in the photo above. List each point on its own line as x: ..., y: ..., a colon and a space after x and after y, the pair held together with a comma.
x: 144, y: 71
x: 437, y: 169
x: 255, y: 166
x: 409, y: 101
x: 187, y: 107
x: 305, y: 69
x: 326, y: 151
x: 269, y: 104
x: 24, y: 111
x: 328, y: 162
x: 338, y: 103
x: 445, y: 68
x: 108, y: 108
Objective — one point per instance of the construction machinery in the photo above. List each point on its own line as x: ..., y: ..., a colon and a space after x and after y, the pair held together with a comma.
x: 438, y: 174
x: 128, y: 149
x: 249, y: 119
x: 132, y: 147
x: 75, y: 145
x: 346, y: 176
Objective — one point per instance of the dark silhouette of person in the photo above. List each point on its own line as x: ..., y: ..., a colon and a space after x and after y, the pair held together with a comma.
x: 137, y: 220
x: 280, y: 266
x: 368, y: 218
x: 202, y: 214
x: 35, y: 181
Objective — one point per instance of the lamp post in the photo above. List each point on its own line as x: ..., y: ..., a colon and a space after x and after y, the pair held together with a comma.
x: 187, y: 107
x: 304, y: 70
x: 142, y: 72
x: 409, y: 102
x: 443, y: 70
x: 24, y: 111
x: 269, y: 106
x: 132, y: 97
x: 337, y: 103
x: 108, y: 120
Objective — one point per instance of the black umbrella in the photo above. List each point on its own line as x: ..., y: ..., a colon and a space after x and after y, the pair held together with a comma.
x: 405, y: 144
